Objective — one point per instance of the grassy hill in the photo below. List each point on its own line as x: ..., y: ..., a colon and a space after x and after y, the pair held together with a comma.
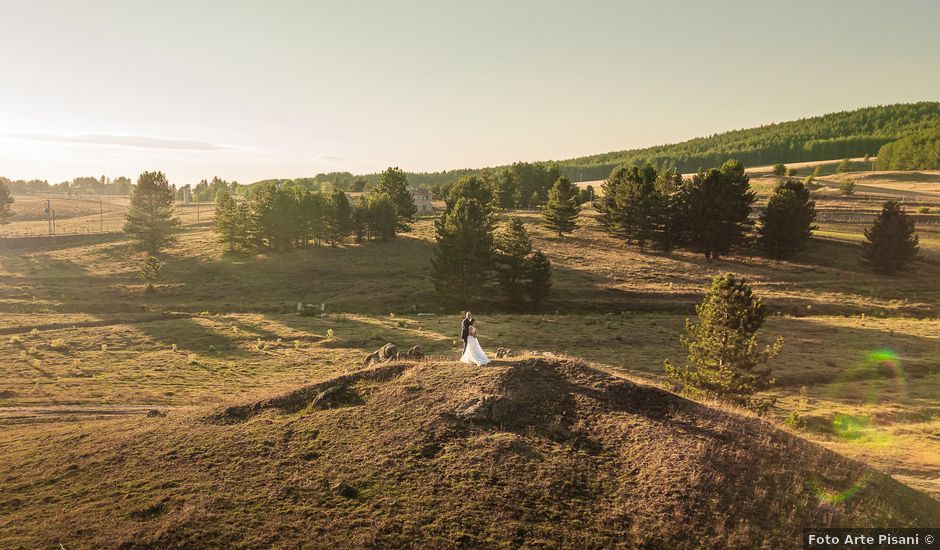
x: 831, y: 136
x: 565, y: 455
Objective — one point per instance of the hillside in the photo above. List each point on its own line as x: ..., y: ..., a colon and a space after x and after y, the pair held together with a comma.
x: 403, y: 454
x: 831, y: 136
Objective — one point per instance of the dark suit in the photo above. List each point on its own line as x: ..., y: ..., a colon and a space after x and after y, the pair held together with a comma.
x: 465, y: 331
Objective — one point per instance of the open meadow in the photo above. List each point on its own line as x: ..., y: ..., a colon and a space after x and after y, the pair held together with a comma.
x: 84, y: 343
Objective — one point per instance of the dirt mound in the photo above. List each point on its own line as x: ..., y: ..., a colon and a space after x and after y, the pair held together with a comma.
x: 531, y: 452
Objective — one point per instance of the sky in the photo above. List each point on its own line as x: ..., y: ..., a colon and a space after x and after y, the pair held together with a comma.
x: 249, y: 90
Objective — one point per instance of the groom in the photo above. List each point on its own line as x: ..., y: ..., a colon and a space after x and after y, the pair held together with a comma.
x: 465, y: 329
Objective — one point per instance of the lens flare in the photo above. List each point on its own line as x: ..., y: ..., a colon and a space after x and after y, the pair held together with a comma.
x: 871, y: 382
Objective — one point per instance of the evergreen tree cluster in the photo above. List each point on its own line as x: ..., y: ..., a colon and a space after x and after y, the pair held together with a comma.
x: 472, y: 260
x: 283, y: 218
x: 708, y: 213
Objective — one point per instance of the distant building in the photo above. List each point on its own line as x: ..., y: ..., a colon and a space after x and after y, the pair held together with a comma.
x: 422, y: 198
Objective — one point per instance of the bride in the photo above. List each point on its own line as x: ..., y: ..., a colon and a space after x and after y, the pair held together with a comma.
x: 474, y: 353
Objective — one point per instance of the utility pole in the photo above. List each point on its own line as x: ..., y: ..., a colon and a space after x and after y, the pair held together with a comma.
x: 49, y: 214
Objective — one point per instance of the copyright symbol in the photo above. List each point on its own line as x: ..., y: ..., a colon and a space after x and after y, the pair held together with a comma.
x: 928, y: 539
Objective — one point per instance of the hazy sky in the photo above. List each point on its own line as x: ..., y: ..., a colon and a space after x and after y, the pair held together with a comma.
x: 252, y: 90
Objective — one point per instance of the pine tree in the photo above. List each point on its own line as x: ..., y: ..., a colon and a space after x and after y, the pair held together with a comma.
x: 226, y: 219
x: 381, y: 220
x: 149, y: 218
x: 360, y: 218
x: 779, y: 170
x: 723, y: 357
x: 786, y: 224
x: 638, y: 206
x: 246, y: 229
x: 605, y: 203
x: 561, y: 211
x: 891, y: 242
x: 463, y: 257
x: 540, y: 278
x: 6, y: 203
x: 471, y: 187
x: 844, y: 166
x: 314, y: 218
x: 513, y: 248
x: 339, y: 217
x: 507, y: 190
x: 714, y: 209
x: 394, y: 184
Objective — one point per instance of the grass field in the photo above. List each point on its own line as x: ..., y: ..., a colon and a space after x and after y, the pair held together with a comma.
x: 83, y: 345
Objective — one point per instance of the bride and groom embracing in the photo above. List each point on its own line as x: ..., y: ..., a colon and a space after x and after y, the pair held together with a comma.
x: 472, y: 352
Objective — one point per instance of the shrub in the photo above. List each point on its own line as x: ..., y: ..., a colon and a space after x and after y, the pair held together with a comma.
x: 34, y: 332
x: 16, y: 340
x: 847, y: 188
x: 33, y: 350
x: 150, y: 271
x: 923, y: 210
x: 192, y: 359
x: 173, y: 347
x: 329, y: 333
x: 104, y: 347
x: 779, y: 170
x: 260, y: 345
x: 58, y: 344
x: 723, y: 358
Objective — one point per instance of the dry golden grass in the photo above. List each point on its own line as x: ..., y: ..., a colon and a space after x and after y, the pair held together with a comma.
x: 221, y: 326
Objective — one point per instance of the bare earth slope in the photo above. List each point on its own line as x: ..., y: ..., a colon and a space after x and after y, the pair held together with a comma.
x: 531, y: 452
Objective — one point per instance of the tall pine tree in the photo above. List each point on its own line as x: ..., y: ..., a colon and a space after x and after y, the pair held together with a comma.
x: 463, y: 257
x: 339, y: 217
x: 394, y: 184
x: 561, y: 211
x: 786, y: 224
x: 638, y: 206
x: 149, y: 218
x: 715, y: 206
x: 226, y: 219
x: 539, y: 284
x: 6, y: 203
x: 513, y: 247
x: 890, y: 243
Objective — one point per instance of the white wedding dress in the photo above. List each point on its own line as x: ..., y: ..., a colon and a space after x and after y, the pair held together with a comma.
x: 474, y: 354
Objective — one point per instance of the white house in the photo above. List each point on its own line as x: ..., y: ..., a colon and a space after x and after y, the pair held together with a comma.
x: 422, y: 198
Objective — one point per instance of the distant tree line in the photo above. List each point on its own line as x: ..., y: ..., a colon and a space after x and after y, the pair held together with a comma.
x: 85, y: 185
x: 831, y: 136
x: 207, y: 190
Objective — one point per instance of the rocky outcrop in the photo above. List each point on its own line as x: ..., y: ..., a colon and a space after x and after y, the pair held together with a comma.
x: 389, y: 352
x: 485, y: 408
